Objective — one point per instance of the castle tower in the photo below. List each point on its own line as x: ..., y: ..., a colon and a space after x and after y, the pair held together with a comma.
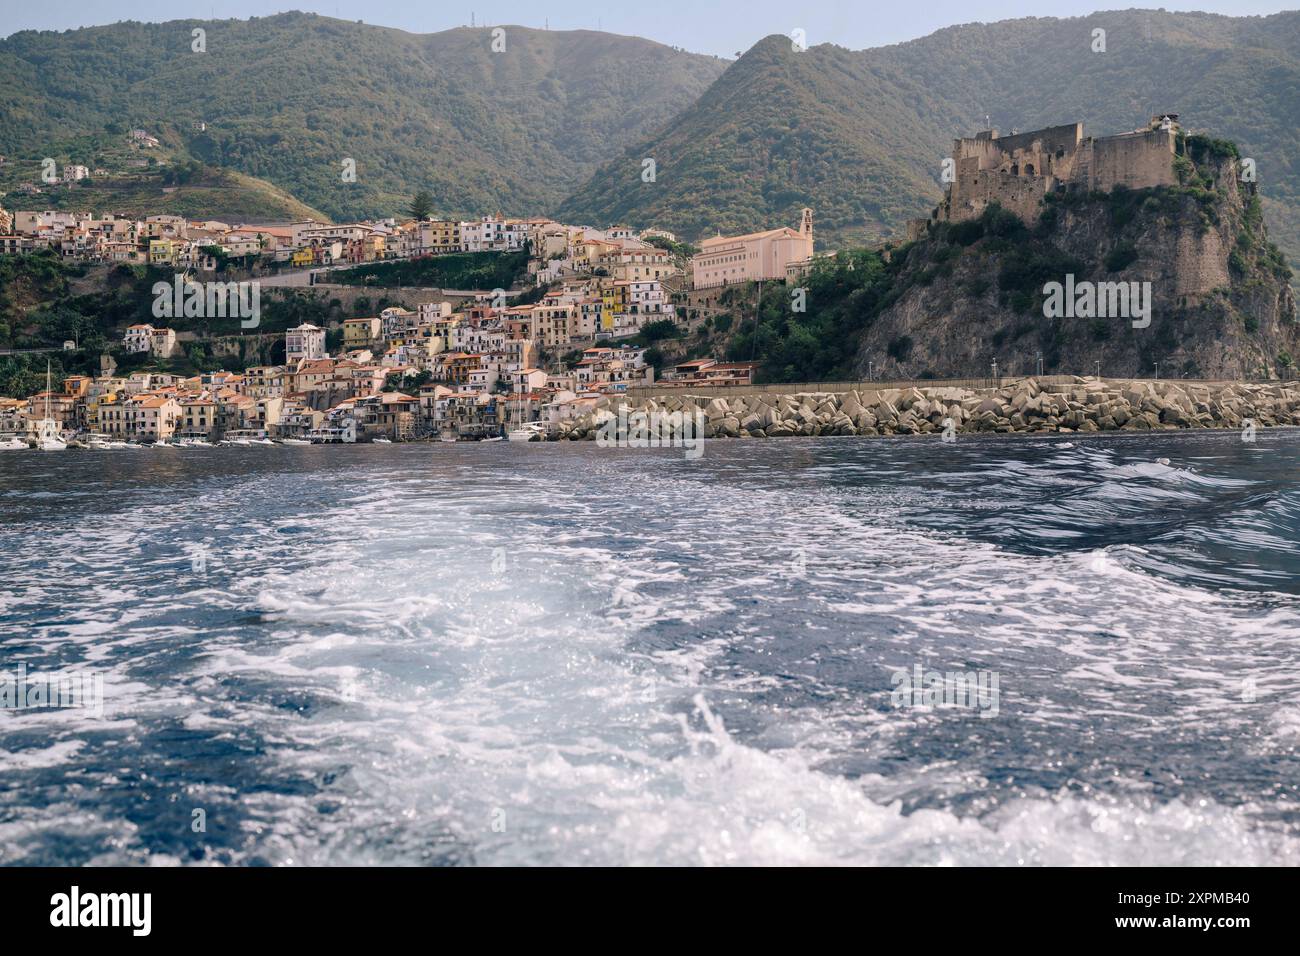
x: 805, y: 224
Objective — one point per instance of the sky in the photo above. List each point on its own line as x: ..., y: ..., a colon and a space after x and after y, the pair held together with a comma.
x: 721, y: 27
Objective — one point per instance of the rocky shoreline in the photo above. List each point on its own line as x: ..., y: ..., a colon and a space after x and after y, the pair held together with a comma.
x: 1081, y: 405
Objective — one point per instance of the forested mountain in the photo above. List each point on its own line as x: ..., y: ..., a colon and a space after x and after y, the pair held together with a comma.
x: 860, y: 135
x: 289, y: 98
x: 857, y: 135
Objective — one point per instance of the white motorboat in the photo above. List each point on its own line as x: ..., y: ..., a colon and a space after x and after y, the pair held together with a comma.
x: 13, y: 444
x: 294, y: 441
x: 494, y: 438
x: 383, y: 441
x: 448, y: 438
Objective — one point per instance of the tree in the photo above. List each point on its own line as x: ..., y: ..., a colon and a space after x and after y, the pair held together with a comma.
x: 421, y: 205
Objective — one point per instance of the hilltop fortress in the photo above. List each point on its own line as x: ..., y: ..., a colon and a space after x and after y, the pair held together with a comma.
x: 1017, y: 171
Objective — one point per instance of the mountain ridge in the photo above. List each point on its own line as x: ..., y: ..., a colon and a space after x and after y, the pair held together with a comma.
x: 895, y: 110
x: 288, y: 98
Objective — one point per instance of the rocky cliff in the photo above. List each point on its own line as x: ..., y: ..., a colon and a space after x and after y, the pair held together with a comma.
x: 999, y: 288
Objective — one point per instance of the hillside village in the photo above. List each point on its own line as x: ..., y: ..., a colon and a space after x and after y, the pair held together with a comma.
x: 470, y: 371
x: 477, y: 363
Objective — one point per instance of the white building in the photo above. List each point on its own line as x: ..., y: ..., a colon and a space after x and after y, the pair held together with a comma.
x: 162, y: 342
x: 304, y: 343
x: 493, y: 235
x: 138, y: 338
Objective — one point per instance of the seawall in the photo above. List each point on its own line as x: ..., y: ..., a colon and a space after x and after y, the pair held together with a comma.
x: 1080, y: 405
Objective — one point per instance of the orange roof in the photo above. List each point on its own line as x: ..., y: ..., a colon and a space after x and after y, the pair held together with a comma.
x: 725, y: 240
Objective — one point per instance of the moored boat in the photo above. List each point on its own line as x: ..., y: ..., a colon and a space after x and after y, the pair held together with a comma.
x: 49, y: 435
x: 532, y: 431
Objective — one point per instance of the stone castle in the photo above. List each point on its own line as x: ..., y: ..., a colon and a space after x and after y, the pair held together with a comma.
x: 1017, y: 171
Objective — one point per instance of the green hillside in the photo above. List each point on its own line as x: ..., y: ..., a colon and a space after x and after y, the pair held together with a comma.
x: 288, y: 98
x: 860, y: 135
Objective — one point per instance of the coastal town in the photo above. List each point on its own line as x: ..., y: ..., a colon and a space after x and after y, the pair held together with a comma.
x: 578, y: 332
x: 471, y: 365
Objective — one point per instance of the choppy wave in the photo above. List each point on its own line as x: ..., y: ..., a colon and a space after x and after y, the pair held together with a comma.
x: 562, y: 654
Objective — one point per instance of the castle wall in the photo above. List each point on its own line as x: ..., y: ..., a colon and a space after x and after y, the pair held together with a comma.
x: 978, y: 153
x: 1018, y: 171
x: 972, y: 193
x: 1065, y: 139
x: 1135, y: 160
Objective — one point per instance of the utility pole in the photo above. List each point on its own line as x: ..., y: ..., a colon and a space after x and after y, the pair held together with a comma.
x: 1096, y: 371
x: 1157, y: 371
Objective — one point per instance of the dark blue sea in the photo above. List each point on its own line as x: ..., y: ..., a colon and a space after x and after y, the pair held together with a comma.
x: 564, y: 654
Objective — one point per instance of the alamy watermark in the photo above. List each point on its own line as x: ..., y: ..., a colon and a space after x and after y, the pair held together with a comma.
x: 969, y: 690
x: 656, y: 429
x: 209, y: 300
x: 1098, y: 300
x: 129, y: 910
x: 64, y: 690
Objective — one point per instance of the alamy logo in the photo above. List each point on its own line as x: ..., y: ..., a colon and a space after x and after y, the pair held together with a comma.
x: 103, y: 909
x: 1098, y: 300
x: 654, y: 429
x: 25, y: 691
x: 971, y: 690
x: 209, y: 300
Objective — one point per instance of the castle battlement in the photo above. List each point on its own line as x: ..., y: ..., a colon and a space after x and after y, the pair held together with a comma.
x: 1017, y: 171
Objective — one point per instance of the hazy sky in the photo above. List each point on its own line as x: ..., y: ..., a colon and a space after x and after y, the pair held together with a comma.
x: 723, y: 27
